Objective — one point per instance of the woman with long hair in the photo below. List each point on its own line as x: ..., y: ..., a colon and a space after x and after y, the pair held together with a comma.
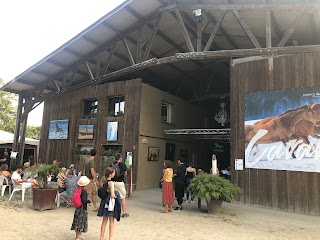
x: 167, y: 187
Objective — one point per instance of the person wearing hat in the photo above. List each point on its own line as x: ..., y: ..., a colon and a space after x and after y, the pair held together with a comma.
x: 80, y: 217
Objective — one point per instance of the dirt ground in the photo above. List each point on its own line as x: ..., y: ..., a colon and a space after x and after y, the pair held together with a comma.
x: 20, y: 222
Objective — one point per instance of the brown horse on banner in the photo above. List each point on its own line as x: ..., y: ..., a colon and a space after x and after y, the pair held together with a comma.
x: 282, y: 127
x: 304, y: 127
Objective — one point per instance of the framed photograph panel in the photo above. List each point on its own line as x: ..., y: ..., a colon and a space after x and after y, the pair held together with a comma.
x: 112, y: 131
x: 85, y: 132
x: 58, y: 129
x: 153, y: 153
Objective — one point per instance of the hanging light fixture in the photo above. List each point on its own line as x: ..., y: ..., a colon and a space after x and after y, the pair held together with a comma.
x: 222, y: 116
x: 197, y: 15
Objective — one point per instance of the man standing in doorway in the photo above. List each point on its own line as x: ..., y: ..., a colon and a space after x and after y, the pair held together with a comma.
x: 119, y: 184
x: 91, y: 174
x: 179, y: 183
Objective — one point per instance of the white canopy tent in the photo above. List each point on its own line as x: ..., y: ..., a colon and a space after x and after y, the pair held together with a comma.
x: 7, y: 138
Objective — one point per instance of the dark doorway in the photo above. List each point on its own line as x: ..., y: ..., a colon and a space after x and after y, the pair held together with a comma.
x: 170, y: 149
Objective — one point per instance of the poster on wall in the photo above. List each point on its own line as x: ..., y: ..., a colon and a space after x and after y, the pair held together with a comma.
x: 153, y: 153
x: 58, y: 129
x: 281, y: 130
x: 85, y: 132
x: 112, y: 131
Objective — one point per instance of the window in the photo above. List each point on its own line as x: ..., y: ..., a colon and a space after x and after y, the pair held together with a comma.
x: 90, y: 108
x: 166, y: 109
x: 116, y: 106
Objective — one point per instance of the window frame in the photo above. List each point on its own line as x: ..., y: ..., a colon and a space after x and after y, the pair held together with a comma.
x: 93, y: 112
x: 169, y: 112
x: 121, y: 107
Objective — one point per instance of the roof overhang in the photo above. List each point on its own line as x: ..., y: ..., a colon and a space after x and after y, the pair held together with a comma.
x: 161, y: 43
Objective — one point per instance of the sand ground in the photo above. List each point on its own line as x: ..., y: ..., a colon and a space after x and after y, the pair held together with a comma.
x: 20, y: 222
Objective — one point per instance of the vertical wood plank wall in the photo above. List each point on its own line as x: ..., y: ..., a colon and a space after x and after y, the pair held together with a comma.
x: 71, y: 106
x: 282, y: 190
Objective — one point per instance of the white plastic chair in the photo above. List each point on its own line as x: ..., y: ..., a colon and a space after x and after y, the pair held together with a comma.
x: 18, y: 187
x: 4, y: 184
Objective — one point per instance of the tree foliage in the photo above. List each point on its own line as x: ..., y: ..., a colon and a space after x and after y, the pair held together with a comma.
x: 7, y: 110
x: 33, y: 132
x: 8, y: 115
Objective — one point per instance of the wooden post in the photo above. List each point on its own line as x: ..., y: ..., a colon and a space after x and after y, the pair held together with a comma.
x: 22, y: 139
x: 17, y: 127
x: 269, y: 44
x: 130, y: 183
x: 139, y: 46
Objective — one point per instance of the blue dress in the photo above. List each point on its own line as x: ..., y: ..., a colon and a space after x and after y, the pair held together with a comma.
x: 103, y: 208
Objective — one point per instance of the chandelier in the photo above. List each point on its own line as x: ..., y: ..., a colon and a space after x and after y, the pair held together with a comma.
x: 222, y: 116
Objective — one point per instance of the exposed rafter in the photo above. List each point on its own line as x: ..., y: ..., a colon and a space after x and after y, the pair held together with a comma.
x: 214, y: 31
x: 184, y: 31
x: 289, y: 32
x: 243, y: 7
x: 247, y: 29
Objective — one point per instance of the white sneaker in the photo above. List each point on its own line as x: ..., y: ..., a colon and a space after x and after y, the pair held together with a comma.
x: 192, y: 201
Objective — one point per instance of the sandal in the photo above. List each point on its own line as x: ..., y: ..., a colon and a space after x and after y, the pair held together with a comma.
x: 164, y: 211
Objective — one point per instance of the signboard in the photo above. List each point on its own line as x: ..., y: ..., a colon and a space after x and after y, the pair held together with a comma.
x: 238, y: 164
x: 281, y: 130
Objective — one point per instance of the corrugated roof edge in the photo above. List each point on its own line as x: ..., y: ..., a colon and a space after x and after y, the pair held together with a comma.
x: 99, y: 21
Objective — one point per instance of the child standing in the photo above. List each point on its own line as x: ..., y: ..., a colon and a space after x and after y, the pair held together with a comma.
x: 80, y: 218
x: 167, y: 187
x: 105, y: 210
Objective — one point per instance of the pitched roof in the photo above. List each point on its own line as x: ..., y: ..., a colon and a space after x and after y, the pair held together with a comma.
x: 84, y: 57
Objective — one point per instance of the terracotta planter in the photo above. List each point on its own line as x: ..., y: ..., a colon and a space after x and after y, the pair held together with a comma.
x: 214, y: 206
x: 44, y: 199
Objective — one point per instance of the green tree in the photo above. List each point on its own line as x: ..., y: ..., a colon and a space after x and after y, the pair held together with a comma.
x: 33, y: 132
x: 7, y: 110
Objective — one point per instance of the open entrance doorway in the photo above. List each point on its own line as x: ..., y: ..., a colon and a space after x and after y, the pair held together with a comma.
x: 206, y: 142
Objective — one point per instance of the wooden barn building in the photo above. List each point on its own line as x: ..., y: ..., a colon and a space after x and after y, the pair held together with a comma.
x: 170, y: 78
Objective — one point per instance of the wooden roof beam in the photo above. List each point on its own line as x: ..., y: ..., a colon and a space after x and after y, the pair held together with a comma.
x: 316, y: 22
x: 247, y: 29
x: 289, y: 32
x: 161, y: 34
x: 130, y: 57
x: 214, y: 31
x: 224, y: 33
x: 185, y: 56
x: 209, y: 96
x: 152, y: 37
x: 312, y: 7
x: 184, y: 31
x: 151, y: 26
x: 102, y: 46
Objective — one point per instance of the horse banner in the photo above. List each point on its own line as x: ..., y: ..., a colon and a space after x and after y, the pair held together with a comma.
x: 281, y: 129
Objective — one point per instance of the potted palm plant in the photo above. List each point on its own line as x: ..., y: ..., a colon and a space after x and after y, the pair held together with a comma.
x: 214, y: 190
x: 44, y: 196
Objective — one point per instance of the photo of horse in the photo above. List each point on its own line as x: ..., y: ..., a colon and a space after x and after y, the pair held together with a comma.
x: 282, y: 130
x: 85, y: 132
x: 58, y: 129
